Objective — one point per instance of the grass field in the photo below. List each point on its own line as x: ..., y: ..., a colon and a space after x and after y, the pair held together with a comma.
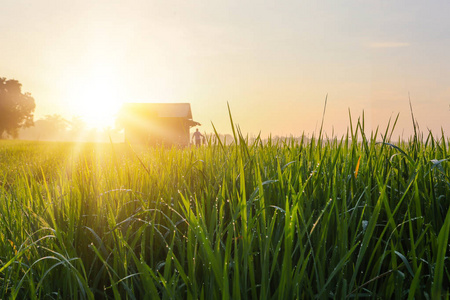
x: 323, y: 218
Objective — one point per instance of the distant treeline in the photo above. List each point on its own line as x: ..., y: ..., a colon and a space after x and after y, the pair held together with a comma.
x: 56, y: 128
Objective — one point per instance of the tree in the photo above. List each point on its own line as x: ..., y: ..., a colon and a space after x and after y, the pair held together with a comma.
x: 16, y: 108
x: 56, y: 123
x: 77, y: 125
x: 50, y: 128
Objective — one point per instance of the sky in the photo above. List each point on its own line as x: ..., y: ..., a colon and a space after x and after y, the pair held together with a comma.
x: 273, y: 62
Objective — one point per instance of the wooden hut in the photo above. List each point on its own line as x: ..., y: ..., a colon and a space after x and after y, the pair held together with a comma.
x: 157, y: 123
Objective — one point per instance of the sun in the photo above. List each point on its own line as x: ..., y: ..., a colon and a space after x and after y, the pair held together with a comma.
x: 96, y: 99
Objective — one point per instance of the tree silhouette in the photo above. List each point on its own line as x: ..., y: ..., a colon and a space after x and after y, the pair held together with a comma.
x: 16, y: 108
x: 49, y: 128
x: 77, y: 124
x: 53, y: 126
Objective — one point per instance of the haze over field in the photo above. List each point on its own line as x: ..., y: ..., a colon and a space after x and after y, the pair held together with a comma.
x: 273, y: 62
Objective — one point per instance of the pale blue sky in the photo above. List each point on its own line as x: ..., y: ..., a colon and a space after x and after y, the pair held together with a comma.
x: 274, y: 62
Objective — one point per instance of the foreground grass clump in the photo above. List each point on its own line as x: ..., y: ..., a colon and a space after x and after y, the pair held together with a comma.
x: 337, y: 218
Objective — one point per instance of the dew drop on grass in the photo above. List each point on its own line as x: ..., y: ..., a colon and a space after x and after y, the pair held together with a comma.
x: 364, y: 224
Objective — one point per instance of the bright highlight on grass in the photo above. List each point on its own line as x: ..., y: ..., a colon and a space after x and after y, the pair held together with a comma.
x: 297, y: 219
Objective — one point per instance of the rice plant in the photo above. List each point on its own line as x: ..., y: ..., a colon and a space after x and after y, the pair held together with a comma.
x: 351, y: 217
